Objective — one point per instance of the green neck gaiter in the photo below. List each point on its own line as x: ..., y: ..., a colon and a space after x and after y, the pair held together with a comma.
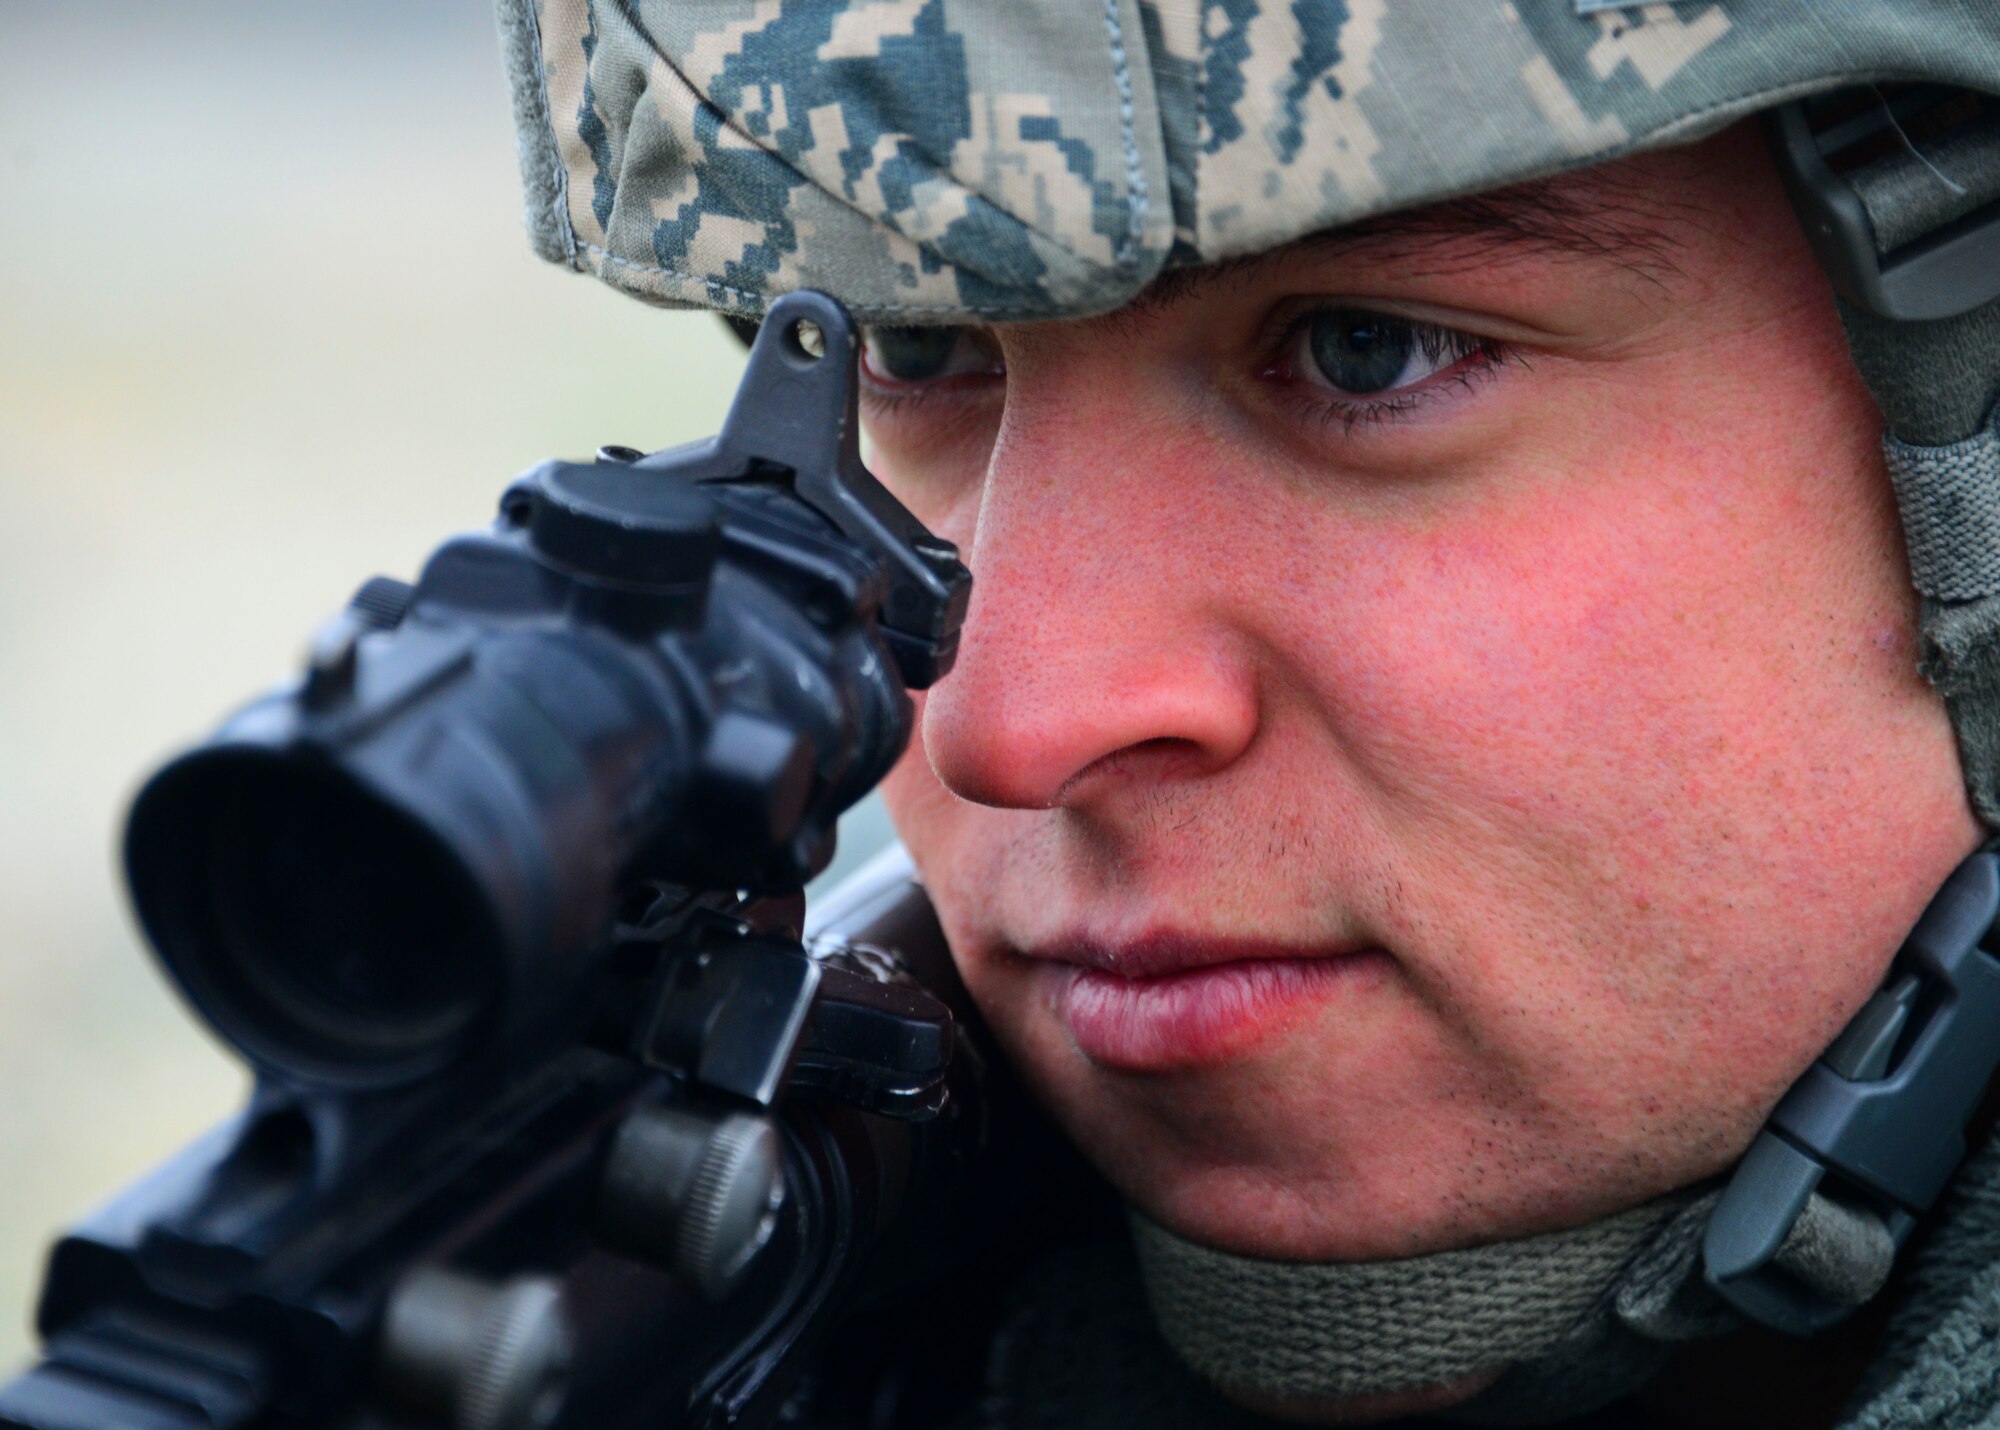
x: 1572, y: 1318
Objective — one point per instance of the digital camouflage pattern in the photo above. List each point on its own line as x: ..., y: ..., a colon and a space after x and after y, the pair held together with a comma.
x: 929, y: 160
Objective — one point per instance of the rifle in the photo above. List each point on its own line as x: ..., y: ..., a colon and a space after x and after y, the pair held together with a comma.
x: 557, y: 1121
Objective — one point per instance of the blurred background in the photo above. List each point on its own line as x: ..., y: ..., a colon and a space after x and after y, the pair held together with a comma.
x: 268, y: 325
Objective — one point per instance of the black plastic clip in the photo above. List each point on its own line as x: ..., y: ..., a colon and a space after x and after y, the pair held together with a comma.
x: 1879, y: 1122
x: 1940, y: 274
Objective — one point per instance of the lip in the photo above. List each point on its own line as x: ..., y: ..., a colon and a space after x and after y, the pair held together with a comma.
x: 1179, y: 1001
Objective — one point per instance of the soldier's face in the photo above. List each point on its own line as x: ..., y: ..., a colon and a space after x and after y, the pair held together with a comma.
x: 1436, y: 747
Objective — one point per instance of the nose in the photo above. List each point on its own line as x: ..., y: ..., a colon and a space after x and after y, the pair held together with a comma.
x: 1100, y: 653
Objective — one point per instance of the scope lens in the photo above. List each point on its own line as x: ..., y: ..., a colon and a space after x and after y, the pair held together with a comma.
x: 320, y: 929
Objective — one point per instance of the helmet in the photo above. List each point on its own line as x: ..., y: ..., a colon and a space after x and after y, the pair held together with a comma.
x: 925, y: 162
x: 931, y: 162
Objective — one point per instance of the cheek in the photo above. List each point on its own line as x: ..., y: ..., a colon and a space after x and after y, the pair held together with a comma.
x: 1555, y: 657
x: 1631, y: 731
x: 957, y: 847
x: 942, y: 832
x: 936, y: 467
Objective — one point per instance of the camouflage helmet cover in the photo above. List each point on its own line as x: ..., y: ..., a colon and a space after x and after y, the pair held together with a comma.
x: 931, y: 160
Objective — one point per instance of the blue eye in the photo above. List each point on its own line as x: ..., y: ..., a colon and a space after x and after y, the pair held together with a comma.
x: 1361, y: 352
x: 911, y: 354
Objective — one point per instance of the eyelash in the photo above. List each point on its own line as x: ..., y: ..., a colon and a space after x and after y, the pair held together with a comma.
x: 1474, y: 360
x: 883, y: 402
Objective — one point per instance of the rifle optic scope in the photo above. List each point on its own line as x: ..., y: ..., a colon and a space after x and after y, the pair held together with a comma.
x: 679, y: 667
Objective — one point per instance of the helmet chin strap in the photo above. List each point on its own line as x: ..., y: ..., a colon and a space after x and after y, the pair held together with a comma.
x: 1866, y: 1140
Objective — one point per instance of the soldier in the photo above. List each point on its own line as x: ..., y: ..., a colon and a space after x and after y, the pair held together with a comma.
x: 1439, y: 747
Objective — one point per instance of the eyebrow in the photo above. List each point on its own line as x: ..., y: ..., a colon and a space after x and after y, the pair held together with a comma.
x: 1572, y: 216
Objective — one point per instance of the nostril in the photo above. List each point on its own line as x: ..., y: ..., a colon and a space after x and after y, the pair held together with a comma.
x: 1159, y: 758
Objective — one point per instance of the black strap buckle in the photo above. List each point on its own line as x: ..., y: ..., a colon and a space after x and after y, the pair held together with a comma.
x: 1940, y: 273
x: 1879, y: 1121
